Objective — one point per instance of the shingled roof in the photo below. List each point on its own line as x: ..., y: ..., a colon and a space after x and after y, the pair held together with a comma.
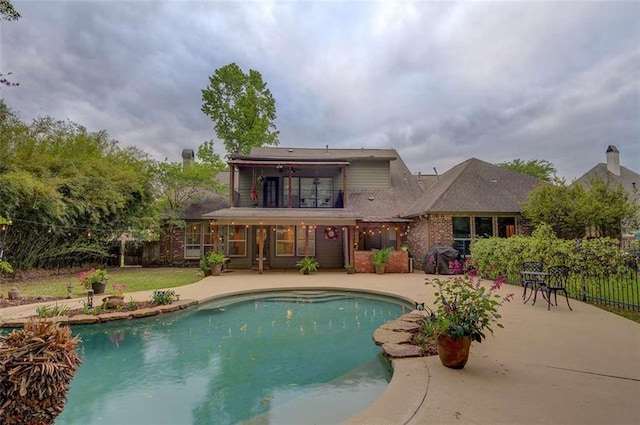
x: 627, y: 179
x: 475, y: 186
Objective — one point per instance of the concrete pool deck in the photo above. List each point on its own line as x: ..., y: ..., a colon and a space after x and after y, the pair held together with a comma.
x: 544, y: 367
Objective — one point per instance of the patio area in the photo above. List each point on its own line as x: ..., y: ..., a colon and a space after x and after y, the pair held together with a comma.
x: 544, y: 367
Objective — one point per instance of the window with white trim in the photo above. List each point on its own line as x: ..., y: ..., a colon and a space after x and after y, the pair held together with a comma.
x: 193, y: 240
x: 285, y: 238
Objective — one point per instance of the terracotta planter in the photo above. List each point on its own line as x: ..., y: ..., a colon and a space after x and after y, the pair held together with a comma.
x: 98, y: 287
x: 453, y: 353
x: 216, y: 269
x: 113, y: 302
x: 207, y: 272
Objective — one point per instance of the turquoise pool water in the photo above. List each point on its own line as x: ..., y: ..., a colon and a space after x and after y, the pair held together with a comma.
x: 283, y: 358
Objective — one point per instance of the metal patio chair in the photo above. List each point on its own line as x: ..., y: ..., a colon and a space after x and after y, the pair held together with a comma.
x: 529, y: 280
x: 555, y: 282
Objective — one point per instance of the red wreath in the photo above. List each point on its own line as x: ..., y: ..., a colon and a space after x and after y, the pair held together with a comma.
x: 331, y: 233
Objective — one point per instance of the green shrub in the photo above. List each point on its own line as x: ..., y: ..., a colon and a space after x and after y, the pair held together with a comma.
x: 504, y: 256
x: 163, y: 297
x: 51, y: 310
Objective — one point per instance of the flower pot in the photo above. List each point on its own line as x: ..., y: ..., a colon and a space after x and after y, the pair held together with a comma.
x: 351, y: 270
x: 453, y: 353
x: 112, y: 302
x: 216, y: 269
x: 379, y: 268
x: 98, y: 287
x: 207, y: 272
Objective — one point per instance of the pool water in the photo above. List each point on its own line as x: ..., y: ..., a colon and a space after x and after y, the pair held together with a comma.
x: 283, y: 358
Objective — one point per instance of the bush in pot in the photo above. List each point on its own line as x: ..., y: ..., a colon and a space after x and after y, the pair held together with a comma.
x: 215, y: 261
x: 380, y: 258
x: 464, y: 311
x: 307, y: 265
x: 95, y: 279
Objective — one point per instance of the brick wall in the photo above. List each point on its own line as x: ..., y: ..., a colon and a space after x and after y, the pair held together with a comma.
x: 172, y: 241
x: 398, y: 262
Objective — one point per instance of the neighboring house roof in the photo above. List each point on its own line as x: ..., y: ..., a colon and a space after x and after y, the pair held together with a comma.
x: 629, y: 180
x: 475, y: 186
x: 208, y: 202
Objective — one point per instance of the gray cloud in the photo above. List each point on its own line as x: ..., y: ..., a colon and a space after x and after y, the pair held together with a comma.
x: 440, y: 82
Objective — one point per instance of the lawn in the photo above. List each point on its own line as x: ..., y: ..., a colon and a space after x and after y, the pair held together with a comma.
x: 136, y: 279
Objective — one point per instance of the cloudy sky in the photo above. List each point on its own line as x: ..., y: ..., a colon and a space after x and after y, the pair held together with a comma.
x: 440, y: 82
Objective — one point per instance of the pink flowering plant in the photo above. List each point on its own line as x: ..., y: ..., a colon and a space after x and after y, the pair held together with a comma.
x: 465, y: 308
x: 118, y: 288
x: 92, y: 276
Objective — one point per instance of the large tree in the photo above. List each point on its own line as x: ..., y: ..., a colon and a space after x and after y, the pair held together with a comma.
x: 538, y: 168
x: 68, y: 191
x: 242, y: 109
x: 601, y: 209
x: 177, y: 185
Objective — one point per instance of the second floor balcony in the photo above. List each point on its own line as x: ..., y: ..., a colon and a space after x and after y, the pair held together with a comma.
x: 265, y: 197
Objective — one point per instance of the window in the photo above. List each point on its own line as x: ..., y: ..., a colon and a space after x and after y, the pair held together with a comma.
x: 483, y: 227
x: 462, y: 234
x: 237, y: 241
x: 506, y: 227
x: 311, y: 232
x: 285, y: 237
x: 308, y: 192
x: 207, y: 238
x: 193, y: 240
x: 295, y: 194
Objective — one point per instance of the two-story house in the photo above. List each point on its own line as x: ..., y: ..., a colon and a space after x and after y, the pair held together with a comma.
x: 339, y: 204
x: 332, y: 204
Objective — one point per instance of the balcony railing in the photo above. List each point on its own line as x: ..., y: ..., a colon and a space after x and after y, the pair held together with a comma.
x: 260, y: 199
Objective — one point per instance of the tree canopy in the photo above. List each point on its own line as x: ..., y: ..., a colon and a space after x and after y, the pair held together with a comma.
x: 69, y: 192
x: 601, y: 209
x: 242, y: 109
x: 538, y: 168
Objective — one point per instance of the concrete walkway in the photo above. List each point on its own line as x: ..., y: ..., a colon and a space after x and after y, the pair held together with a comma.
x: 544, y: 367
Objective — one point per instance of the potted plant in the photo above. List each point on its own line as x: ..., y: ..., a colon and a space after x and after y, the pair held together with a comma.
x: 205, y: 268
x: 116, y: 299
x: 350, y: 268
x: 95, y: 279
x: 380, y: 258
x: 215, y: 261
x: 307, y: 265
x: 464, y: 311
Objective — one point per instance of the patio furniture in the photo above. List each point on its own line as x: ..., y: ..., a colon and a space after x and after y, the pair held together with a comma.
x: 554, y: 283
x: 531, y: 276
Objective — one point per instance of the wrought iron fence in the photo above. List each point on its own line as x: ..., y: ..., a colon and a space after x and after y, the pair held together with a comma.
x: 620, y: 290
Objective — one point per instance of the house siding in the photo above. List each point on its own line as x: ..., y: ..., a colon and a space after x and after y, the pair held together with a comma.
x: 367, y: 175
x: 329, y: 253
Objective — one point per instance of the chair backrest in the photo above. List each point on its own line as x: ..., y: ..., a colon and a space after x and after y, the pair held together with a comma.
x: 532, y: 266
x: 558, y: 276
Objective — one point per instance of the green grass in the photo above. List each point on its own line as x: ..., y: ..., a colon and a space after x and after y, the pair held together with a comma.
x: 136, y: 279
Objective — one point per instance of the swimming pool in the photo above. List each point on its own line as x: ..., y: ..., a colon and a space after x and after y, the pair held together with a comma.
x: 281, y: 357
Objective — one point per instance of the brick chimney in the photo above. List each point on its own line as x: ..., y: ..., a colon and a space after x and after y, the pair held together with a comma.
x: 188, y: 156
x: 613, y: 160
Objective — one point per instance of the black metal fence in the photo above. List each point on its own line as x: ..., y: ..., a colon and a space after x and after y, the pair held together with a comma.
x: 620, y: 290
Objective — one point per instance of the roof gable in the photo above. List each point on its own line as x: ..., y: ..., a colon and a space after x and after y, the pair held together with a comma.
x: 476, y: 186
x: 627, y: 179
